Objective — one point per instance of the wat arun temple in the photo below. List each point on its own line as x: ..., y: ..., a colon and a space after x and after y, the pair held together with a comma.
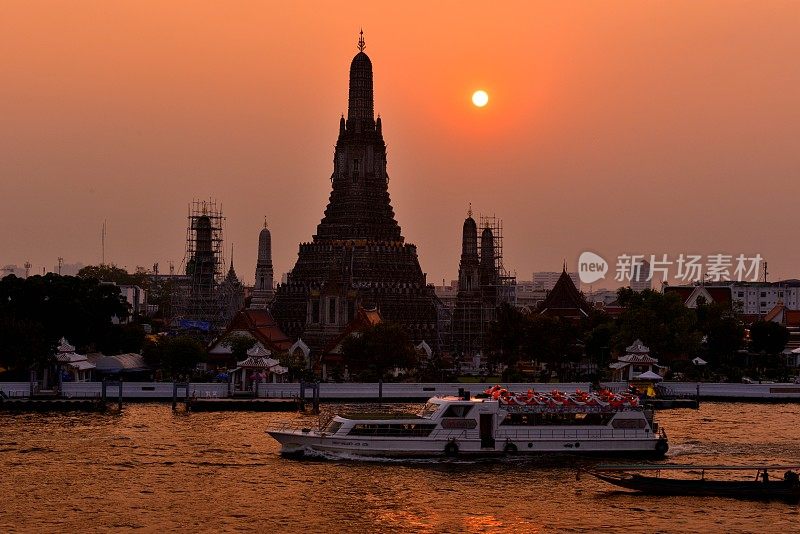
x: 358, y: 259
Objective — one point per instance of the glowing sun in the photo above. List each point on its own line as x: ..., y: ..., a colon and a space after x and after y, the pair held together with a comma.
x: 480, y: 98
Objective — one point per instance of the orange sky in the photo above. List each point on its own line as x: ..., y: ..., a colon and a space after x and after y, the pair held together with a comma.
x: 660, y: 127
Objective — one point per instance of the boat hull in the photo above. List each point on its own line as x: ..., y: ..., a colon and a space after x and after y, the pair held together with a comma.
x: 298, y: 442
x: 721, y: 488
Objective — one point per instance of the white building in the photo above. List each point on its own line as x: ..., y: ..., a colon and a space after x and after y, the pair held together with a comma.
x: 602, y: 296
x: 640, y: 277
x: 136, y: 297
x: 637, y: 364
x: 757, y: 298
x: 529, y: 294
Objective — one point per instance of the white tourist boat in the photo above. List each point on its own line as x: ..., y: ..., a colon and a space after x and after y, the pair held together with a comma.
x: 496, y: 423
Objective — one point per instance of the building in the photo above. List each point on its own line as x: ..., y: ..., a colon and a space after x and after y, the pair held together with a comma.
x: 230, y: 295
x: 637, y: 364
x: 205, y: 299
x: 256, y: 324
x: 331, y: 357
x: 757, y: 298
x: 529, y: 295
x: 640, y: 277
x: 547, y: 280
x: 483, y: 285
x: 447, y: 294
x: 602, y: 297
x: 565, y: 301
x: 73, y: 367
x: 752, y: 299
x: 708, y: 294
x: 468, y: 323
x: 358, y: 256
x: 263, y: 291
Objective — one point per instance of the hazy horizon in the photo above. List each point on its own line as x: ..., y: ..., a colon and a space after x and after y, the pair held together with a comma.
x: 614, y: 127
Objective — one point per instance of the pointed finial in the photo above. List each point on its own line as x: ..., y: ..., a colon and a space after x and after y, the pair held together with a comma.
x: 361, y: 44
x: 231, y: 256
x: 565, y: 264
x: 469, y: 211
x: 265, y: 222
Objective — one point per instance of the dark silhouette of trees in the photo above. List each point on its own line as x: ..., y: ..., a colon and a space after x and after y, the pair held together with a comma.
x: 768, y: 337
x: 507, y: 337
x: 371, y: 354
x: 23, y: 345
x: 723, y: 332
x: 177, y: 356
x: 239, y: 345
x: 45, y: 308
x: 117, y: 275
x: 660, y: 320
x: 674, y: 333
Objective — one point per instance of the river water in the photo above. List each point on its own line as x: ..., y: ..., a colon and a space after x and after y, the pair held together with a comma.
x: 148, y: 469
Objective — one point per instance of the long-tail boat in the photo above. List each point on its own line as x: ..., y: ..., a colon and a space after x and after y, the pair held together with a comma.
x: 769, y: 482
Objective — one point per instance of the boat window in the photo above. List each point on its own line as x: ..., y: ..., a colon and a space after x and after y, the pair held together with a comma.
x: 628, y: 423
x: 557, y: 419
x: 428, y: 410
x: 392, y: 429
x: 333, y: 427
x: 457, y: 410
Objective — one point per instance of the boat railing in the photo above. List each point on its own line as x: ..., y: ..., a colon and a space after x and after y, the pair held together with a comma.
x: 299, y: 425
x: 455, y: 434
x: 437, y: 434
x: 572, y: 433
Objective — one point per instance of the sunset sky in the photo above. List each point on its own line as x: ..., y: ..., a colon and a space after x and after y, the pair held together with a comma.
x: 638, y: 127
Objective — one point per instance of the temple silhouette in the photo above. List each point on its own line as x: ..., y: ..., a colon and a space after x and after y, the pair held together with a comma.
x: 358, y: 257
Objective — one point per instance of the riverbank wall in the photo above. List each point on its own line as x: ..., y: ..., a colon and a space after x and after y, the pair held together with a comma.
x: 395, y: 392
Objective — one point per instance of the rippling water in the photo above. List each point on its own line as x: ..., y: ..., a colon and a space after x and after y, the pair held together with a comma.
x: 150, y: 469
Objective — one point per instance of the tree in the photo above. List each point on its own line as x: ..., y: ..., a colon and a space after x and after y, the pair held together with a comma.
x: 296, y: 364
x: 598, y: 344
x: 175, y: 356
x: 660, y: 320
x: 768, y: 337
x: 372, y: 353
x: 554, y: 341
x: 117, y: 275
x: 122, y: 338
x: 23, y: 345
x: 506, y: 336
x: 82, y: 310
x: 239, y: 345
x: 722, y: 331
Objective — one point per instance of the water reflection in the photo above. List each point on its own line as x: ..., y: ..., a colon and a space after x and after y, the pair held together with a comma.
x: 148, y: 468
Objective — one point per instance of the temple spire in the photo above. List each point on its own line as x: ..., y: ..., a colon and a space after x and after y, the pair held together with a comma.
x: 360, y: 107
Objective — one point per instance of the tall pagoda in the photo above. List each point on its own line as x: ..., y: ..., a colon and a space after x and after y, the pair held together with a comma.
x: 358, y: 256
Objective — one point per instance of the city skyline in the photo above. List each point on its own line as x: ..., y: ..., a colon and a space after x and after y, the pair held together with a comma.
x: 613, y: 127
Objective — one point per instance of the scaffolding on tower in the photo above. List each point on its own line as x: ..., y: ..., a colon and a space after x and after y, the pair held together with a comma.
x: 197, y: 304
x: 506, y: 282
x: 501, y: 287
x: 476, y: 310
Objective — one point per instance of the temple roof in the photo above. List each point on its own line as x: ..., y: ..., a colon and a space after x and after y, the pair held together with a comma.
x: 363, y: 319
x: 564, y: 300
x: 637, y: 348
x: 261, y: 325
